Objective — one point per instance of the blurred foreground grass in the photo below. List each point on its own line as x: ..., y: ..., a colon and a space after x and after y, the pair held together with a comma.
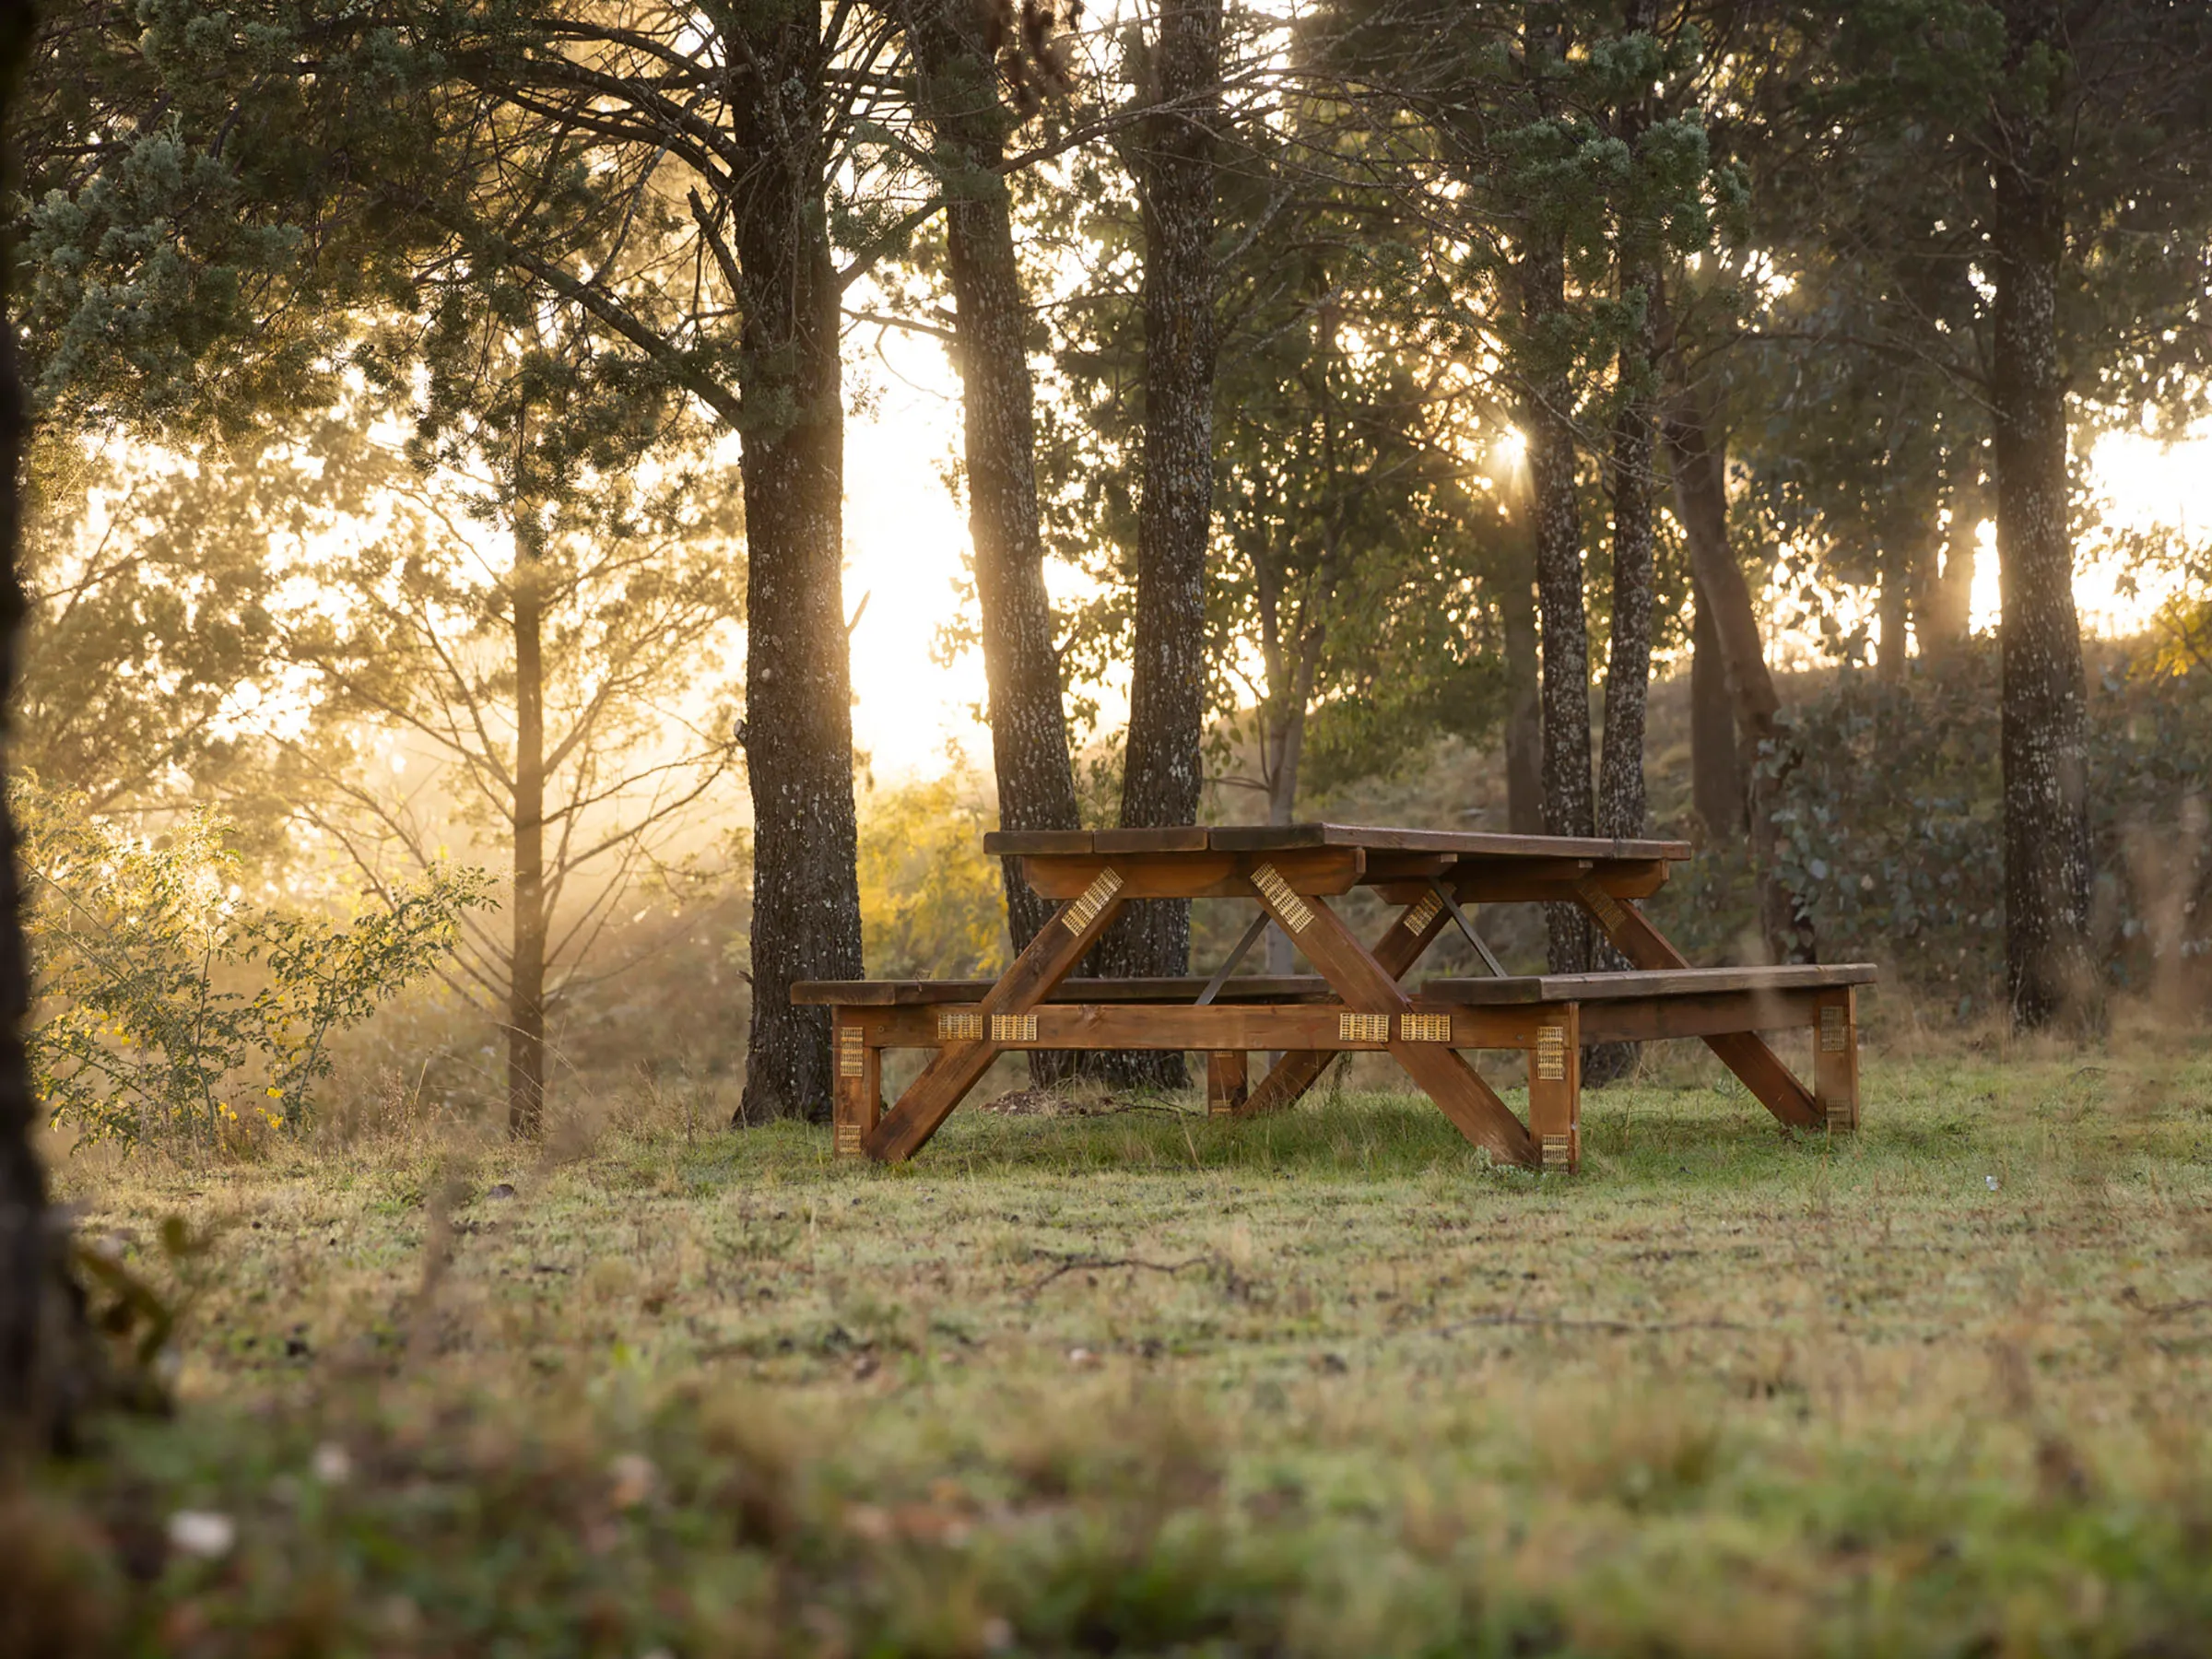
x: 1138, y: 1382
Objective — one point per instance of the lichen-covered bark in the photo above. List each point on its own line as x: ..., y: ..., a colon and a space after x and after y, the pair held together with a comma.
x: 1173, y: 158
x: 1620, y: 788
x: 2048, y: 967
x: 1569, y: 807
x: 1621, y: 807
x: 798, y: 684
x: 1021, y: 666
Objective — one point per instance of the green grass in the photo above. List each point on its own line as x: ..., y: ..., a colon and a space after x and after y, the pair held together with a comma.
x: 1142, y: 1383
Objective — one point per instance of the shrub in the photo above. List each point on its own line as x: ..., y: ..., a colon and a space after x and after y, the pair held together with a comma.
x: 1892, y: 827
x: 166, y: 998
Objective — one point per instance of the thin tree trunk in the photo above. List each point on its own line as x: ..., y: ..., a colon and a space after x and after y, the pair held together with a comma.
x: 1523, y: 718
x: 1287, y: 742
x: 2048, y: 967
x: 526, y: 950
x: 1716, y: 765
x: 1021, y: 665
x: 798, y: 682
x: 1947, y: 609
x: 1893, y: 607
x: 1162, y: 775
x: 1768, y: 753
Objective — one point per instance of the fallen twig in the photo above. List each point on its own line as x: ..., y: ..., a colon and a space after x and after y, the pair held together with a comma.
x: 1612, y: 1327
x: 2134, y: 1298
x: 1102, y: 1264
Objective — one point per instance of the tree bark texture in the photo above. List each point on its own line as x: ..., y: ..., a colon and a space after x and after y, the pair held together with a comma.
x: 1523, y: 718
x: 1173, y: 164
x: 1768, y: 752
x: 1715, y: 766
x: 2048, y: 967
x: 1569, y: 807
x: 1621, y: 802
x: 1547, y: 421
x: 47, y: 1351
x: 1620, y: 786
x: 526, y: 947
x: 1021, y: 664
x: 798, y: 682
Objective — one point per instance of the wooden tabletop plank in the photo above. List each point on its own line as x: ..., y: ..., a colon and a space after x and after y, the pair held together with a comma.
x: 1176, y: 838
x: 1006, y: 843
x: 1267, y: 838
x: 1279, y: 838
x: 1684, y: 982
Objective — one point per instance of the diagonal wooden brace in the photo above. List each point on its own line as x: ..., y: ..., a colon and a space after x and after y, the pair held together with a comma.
x: 1050, y: 956
x: 1758, y: 1068
x: 1400, y: 947
x: 1368, y: 987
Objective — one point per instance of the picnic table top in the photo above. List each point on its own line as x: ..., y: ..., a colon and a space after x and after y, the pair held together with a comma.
x: 1474, y: 991
x: 1283, y: 838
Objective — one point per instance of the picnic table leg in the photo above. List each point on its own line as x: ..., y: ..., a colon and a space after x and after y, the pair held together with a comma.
x: 1370, y: 989
x: 1401, y: 946
x: 1555, y: 1088
x: 1225, y: 1081
x: 1758, y: 1068
x: 1836, y: 1059
x: 859, y: 1098
x: 1049, y: 958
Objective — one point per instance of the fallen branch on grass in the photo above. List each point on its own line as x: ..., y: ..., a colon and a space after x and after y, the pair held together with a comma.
x: 1102, y: 1264
x: 1611, y: 1327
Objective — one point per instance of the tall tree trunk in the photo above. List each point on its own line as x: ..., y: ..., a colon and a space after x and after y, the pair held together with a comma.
x: 1716, y: 774
x: 798, y: 681
x: 1621, y: 804
x: 1892, y: 608
x: 1768, y: 752
x: 47, y: 1354
x: 526, y: 950
x: 1021, y: 665
x: 2048, y: 967
x: 1162, y: 776
x: 1546, y: 403
x: 1523, y: 719
x: 1621, y: 807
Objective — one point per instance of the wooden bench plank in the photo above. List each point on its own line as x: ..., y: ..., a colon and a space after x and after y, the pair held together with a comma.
x: 1665, y: 982
x: 902, y: 994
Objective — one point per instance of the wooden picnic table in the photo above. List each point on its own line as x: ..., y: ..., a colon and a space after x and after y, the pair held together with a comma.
x: 1355, y: 1000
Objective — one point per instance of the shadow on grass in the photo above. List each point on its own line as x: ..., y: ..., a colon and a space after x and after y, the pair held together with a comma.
x: 1627, y: 1133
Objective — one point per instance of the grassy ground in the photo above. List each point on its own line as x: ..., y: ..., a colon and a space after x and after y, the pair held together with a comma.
x: 1139, y: 1383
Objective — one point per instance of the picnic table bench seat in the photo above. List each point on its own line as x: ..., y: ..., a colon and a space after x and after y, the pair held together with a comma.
x: 877, y: 993
x: 1357, y: 998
